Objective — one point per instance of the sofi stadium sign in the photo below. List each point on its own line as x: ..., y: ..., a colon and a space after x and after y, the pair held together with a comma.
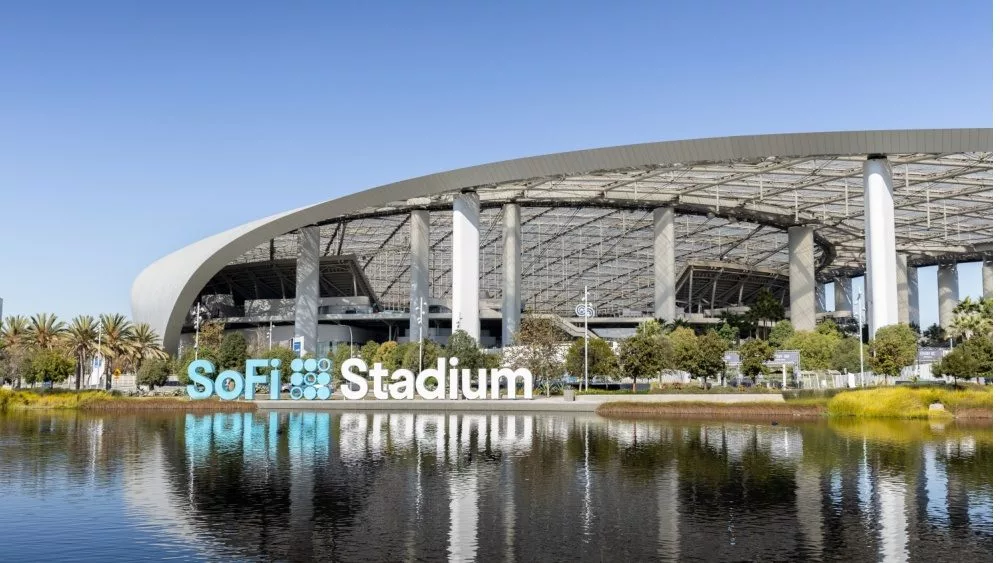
x: 311, y: 380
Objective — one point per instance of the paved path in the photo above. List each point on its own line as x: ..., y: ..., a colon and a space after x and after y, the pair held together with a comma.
x: 583, y: 403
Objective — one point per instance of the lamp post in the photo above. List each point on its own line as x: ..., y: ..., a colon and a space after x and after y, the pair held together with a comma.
x: 420, y: 335
x: 861, y: 344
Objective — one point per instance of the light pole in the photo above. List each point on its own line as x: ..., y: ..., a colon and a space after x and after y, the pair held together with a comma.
x: 586, y: 340
x: 197, y: 328
x: 420, y: 335
x: 861, y: 344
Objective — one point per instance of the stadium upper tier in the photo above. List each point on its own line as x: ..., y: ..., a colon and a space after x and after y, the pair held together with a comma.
x: 587, y: 219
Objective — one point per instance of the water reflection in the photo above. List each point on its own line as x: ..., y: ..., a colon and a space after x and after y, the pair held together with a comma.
x: 405, y: 486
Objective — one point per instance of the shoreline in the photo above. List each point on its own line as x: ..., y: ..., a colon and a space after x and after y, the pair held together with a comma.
x: 884, y: 403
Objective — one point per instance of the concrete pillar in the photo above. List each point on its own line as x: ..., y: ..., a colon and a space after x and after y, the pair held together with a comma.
x: 510, y: 310
x: 420, y: 245
x: 801, y: 278
x: 882, y: 307
x: 903, y: 289
x: 947, y: 276
x: 664, y: 265
x: 988, y: 277
x: 842, y: 298
x: 820, y: 297
x: 913, y: 296
x: 465, y: 264
x: 307, y: 289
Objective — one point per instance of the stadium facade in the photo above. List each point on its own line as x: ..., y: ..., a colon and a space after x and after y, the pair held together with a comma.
x: 671, y: 230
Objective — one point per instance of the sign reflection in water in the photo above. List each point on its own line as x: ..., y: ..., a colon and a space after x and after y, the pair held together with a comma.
x: 402, y: 486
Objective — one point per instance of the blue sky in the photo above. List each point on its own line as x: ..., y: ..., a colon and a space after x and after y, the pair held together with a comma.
x: 130, y: 129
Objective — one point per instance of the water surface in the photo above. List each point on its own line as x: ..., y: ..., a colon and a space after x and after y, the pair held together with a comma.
x: 416, y: 486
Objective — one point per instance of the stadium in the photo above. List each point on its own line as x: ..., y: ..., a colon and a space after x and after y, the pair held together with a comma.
x: 677, y: 230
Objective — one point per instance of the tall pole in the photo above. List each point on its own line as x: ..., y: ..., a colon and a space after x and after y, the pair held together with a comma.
x: 586, y: 340
x: 420, y: 332
x: 861, y: 343
x: 270, y: 330
x: 100, y: 358
x: 197, y: 328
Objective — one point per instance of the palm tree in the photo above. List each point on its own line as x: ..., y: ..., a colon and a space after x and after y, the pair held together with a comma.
x: 971, y: 318
x: 144, y: 344
x: 14, y: 344
x: 45, y: 330
x: 81, y: 338
x: 116, y: 331
x: 14, y: 331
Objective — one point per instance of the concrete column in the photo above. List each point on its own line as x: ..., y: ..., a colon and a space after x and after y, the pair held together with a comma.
x: 947, y: 276
x: 420, y: 244
x: 882, y: 307
x: 801, y: 278
x: 820, y: 297
x: 465, y: 264
x: 913, y: 296
x: 842, y: 298
x: 988, y: 277
x: 307, y: 289
x: 902, y: 289
x: 664, y: 265
x: 510, y: 310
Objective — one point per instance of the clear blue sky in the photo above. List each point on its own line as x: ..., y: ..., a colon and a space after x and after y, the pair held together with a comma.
x: 129, y: 129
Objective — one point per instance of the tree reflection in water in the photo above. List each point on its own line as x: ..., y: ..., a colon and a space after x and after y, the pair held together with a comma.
x: 403, y: 486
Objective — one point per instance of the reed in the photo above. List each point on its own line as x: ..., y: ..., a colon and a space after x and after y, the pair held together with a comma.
x: 627, y: 409
x: 907, y: 402
x: 104, y: 401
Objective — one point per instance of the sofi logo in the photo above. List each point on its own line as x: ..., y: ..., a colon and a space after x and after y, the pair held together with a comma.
x: 311, y: 379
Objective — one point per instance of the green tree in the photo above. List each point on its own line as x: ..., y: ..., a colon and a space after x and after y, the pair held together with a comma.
x: 644, y: 356
x: 743, y: 324
x: 601, y: 359
x: 536, y: 348
x: 410, y: 358
x: 14, y: 349
x: 286, y: 355
x: 815, y: 349
x: 780, y: 334
x: 462, y: 346
x: 683, y: 346
x: 766, y: 309
x: 972, y: 358
x: 730, y: 334
x: 711, y: 356
x: 972, y: 318
x: 45, y: 330
x: 893, y: 348
x: 386, y: 355
x: 935, y: 336
x: 846, y: 356
x: 116, y: 334
x: 233, y: 352
x: 154, y: 372
x: 210, y: 334
x: 49, y: 364
x: 651, y: 327
x: 143, y: 343
x: 368, y: 351
x: 81, y: 339
x: 754, y: 354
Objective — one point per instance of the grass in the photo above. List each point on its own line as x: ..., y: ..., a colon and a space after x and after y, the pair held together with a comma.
x: 912, y: 402
x: 884, y: 402
x: 105, y: 401
x: 627, y: 409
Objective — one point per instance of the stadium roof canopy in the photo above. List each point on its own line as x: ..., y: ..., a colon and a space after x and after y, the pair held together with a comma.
x: 587, y: 217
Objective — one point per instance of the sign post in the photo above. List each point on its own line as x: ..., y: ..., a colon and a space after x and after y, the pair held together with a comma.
x: 586, y: 311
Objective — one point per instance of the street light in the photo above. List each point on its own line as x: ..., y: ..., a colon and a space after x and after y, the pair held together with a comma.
x: 861, y: 344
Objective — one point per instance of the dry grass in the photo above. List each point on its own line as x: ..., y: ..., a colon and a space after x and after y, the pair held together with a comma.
x: 905, y: 402
x: 104, y: 401
x: 626, y: 409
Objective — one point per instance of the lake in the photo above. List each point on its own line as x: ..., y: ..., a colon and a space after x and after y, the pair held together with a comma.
x: 419, y: 486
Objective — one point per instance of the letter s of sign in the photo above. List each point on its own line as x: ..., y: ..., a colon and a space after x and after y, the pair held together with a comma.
x: 197, y: 373
x: 357, y: 380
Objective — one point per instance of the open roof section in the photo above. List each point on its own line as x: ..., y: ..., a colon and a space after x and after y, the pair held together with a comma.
x: 736, y: 194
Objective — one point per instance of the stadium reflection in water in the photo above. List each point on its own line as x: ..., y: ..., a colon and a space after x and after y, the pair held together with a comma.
x: 404, y: 486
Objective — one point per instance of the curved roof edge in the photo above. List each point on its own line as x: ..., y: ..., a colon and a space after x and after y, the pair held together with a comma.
x: 163, y: 292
